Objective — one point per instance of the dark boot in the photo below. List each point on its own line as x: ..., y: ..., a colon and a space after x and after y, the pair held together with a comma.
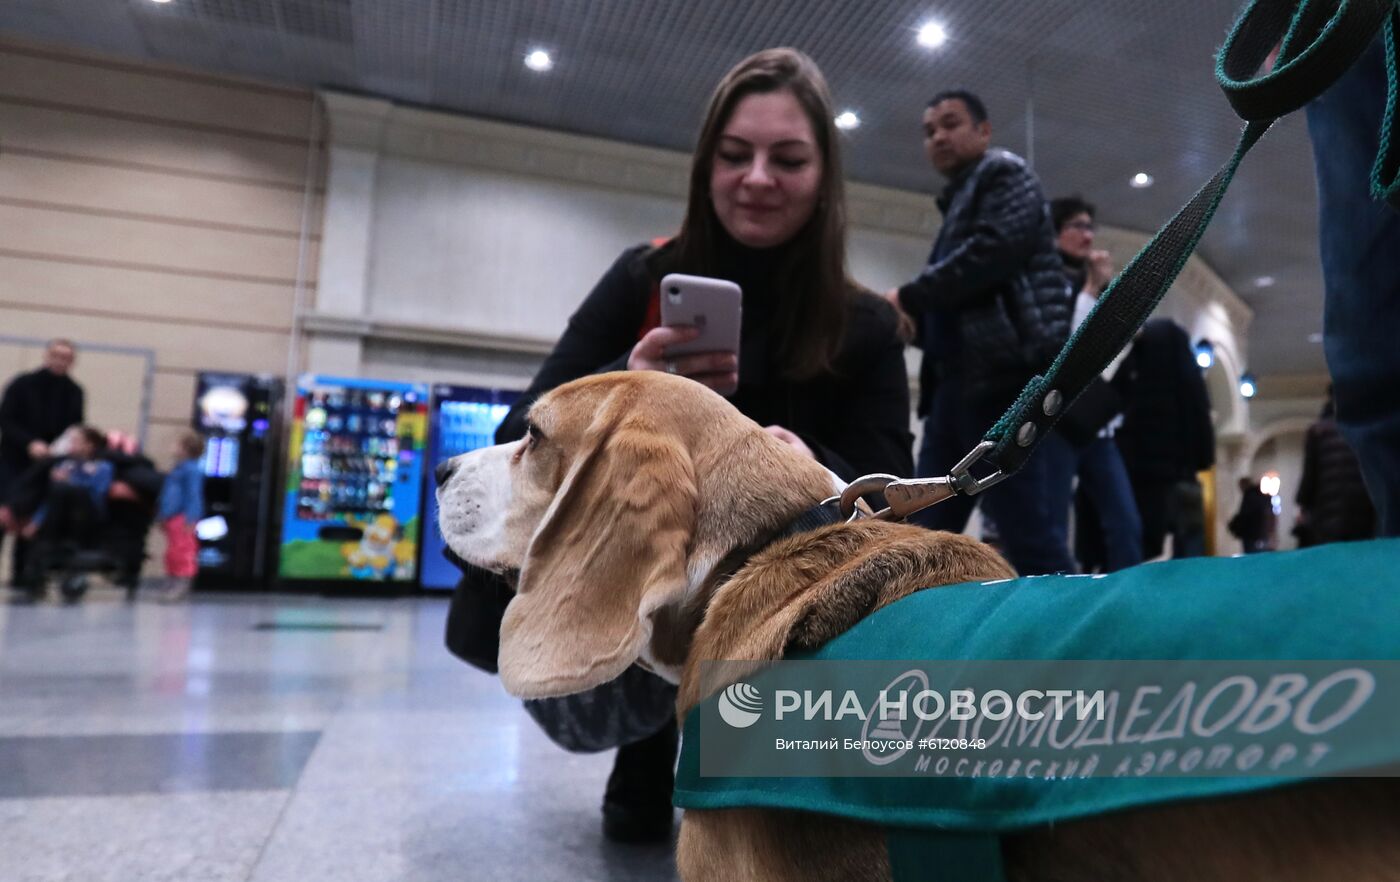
x: 637, y: 802
x: 32, y: 579
x: 19, y: 561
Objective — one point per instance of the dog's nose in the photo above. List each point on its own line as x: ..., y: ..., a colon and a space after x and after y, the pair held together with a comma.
x: 443, y: 473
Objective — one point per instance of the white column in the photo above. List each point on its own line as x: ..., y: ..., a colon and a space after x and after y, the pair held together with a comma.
x: 356, y: 133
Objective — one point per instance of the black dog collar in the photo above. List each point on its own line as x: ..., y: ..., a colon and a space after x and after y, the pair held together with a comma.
x: 820, y: 515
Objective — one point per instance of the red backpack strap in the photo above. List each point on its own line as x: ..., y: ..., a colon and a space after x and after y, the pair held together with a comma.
x: 652, y: 317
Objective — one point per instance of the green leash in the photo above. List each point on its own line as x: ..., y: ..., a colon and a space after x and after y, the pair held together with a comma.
x: 1318, y: 41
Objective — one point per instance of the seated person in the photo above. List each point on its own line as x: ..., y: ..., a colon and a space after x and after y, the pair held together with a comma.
x: 76, y: 501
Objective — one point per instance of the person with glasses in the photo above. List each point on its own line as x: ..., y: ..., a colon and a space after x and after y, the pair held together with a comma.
x: 1108, y: 531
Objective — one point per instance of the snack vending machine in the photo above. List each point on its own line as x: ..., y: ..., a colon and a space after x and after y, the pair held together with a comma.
x: 355, y: 481
x: 464, y: 418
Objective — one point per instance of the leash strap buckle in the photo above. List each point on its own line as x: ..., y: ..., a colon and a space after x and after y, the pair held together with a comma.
x: 969, y: 484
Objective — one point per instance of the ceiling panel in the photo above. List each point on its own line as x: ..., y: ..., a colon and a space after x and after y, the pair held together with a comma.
x: 1112, y: 88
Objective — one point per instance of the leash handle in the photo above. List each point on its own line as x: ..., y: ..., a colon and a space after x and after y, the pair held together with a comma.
x: 1318, y: 41
x: 1385, y: 176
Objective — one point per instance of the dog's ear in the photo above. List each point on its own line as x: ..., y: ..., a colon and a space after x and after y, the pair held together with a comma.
x: 610, y: 551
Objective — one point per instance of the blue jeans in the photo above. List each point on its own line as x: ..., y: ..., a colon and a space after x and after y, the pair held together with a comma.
x: 1360, y: 243
x: 1030, y: 509
x: 1104, y: 480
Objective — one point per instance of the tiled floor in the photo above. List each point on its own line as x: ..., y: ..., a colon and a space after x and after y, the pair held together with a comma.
x: 191, y: 743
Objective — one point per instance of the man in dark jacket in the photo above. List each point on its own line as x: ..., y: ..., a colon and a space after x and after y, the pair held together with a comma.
x: 34, y: 410
x: 1253, y: 523
x: 990, y: 310
x: 1333, y: 505
x: 1108, y: 532
x: 1166, y: 436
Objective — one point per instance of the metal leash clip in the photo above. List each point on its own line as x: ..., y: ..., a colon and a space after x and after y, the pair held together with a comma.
x: 906, y: 496
x: 850, y: 497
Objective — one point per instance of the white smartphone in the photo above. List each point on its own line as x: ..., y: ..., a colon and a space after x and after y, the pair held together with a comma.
x: 712, y: 305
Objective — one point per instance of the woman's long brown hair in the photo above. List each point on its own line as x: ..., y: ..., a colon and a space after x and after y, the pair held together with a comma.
x: 810, y: 278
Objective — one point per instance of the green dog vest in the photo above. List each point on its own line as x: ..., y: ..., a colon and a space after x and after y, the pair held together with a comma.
x: 1335, y: 602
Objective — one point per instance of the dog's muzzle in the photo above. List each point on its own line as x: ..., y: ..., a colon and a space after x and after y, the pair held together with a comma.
x: 443, y: 473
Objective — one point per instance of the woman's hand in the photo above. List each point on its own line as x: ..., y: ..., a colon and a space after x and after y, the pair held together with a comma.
x: 1100, y: 272
x: 718, y: 370
x: 791, y: 440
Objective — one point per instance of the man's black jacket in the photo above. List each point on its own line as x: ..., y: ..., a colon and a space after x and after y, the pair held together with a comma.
x: 36, y: 406
x: 1167, y: 434
x: 996, y: 275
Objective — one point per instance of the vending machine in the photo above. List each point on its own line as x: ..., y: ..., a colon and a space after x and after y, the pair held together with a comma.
x: 464, y: 418
x: 238, y: 416
x: 355, y: 481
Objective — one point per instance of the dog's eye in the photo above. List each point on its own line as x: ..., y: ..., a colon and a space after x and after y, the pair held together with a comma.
x: 532, y: 436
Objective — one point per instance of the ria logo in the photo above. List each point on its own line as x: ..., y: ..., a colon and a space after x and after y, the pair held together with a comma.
x: 891, y: 728
x: 740, y: 705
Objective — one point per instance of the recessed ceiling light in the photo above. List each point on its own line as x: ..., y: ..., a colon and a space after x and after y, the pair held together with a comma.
x: 1248, y: 385
x: 1315, y: 337
x: 160, y: 1
x: 1205, y: 354
x: 539, y: 61
x: 932, y: 35
x: 1141, y: 180
x: 1270, y: 484
x: 847, y: 120
x: 1264, y: 282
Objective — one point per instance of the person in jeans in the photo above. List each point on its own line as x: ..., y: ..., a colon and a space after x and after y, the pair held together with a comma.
x: 1360, y: 239
x: 73, y: 508
x: 1103, y: 479
x: 990, y: 309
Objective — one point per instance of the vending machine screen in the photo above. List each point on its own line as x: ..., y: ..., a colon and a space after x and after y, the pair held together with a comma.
x: 222, y: 405
x: 220, y: 458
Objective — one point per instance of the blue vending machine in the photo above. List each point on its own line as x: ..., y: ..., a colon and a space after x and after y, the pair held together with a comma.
x: 464, y: 418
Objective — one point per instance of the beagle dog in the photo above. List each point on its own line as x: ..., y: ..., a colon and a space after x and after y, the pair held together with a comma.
x: 621, y: 515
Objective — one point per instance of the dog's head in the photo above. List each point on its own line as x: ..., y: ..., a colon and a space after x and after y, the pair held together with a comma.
x: 614, y: 510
